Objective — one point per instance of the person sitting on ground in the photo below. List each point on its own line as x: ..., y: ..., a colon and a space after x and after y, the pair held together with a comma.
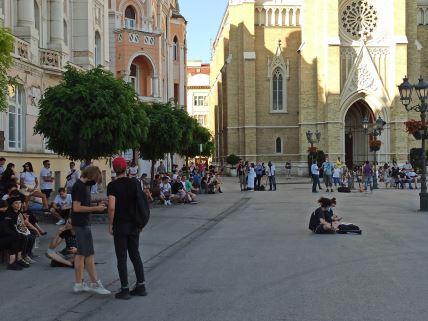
x: 61, y: 206
x: 11, y: 241
x: 65, y: 257
x: 165, y: 191
x: 318, y: 223
x: 330, y: 217
x: 195, y: 187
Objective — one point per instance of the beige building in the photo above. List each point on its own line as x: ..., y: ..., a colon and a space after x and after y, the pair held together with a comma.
x: 48, y: 35
x: 281, y: 68
x: 198, y: 89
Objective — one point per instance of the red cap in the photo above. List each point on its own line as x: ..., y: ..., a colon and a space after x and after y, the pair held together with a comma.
x: 119, y: 163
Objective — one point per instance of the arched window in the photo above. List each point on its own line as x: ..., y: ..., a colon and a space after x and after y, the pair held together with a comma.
x: 15, y: 126
x: 98, y: 49
x: 278, y: 145
x: 175, y: 49
x: 65, y: 33
x: 277, y: 90
x: 130, y: 18
x: 133, y: 78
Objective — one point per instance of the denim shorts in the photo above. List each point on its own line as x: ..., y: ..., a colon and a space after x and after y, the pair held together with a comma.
x: 85, y: 244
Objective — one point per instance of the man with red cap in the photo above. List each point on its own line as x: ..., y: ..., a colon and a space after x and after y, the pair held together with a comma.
x: 122, y: 202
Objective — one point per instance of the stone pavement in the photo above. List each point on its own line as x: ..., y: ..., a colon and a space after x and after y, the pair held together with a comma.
x: 249, y: 256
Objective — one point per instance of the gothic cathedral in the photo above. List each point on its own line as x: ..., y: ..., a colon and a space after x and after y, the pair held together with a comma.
x: 281, y: 68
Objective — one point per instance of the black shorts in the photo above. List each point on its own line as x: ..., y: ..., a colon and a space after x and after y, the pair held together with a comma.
x: 47, y: 192
x: 320, y: 230
x: 85, y: 244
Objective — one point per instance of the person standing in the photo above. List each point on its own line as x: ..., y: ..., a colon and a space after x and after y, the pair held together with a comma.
x: 288, y: 169
x: 368, y: 176
x: 161, y: 168
x: 80, y: 219
x: 72, y: 177
x: 46, y: 179
x: 2, y: 162
x: 251, y: 177
x: 259, y: 174
x: 241, y: 175
x: 122, y: 202
x: 327, y: 173
x: 315, y: 172
x: 270, y: 171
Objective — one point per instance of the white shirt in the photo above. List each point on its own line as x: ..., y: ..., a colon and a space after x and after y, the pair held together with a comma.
x: 315, y: 170
x: 64, y: 203
x: 336, y: 173
x: 73, y: 178
x: 133, y: 171
x: 165, y: 188
x: 45, y: 172
x: 29, y: 179
x: 270, y: 170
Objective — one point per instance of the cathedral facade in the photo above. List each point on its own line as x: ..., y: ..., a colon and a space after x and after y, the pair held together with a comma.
x: 281, y: 68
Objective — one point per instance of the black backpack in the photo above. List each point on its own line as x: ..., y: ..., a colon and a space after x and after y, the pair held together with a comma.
x: 313, y: 222
x: 142, y: 208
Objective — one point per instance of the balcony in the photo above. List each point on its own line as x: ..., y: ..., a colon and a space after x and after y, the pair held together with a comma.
x: 21, y: 49
x: 150, y: 99
x: 51, y: 59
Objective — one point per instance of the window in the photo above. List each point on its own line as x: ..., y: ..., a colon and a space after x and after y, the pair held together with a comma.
x: 202, y: 119
x: 278, y: 146
x: 200, y: 100
x: 176, y: 93
x: 14, y: 114
x: 130, y: 21
x: 175, y: 49
x: 65, y: 33
x: 97, y: 49
x: 277, y: 90
x: 133, y: 78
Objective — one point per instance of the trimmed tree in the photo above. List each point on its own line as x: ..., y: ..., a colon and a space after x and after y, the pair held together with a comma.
x: 200, y: 136
x: 164, y: 134
x: 6, y: 47
x: 91, y: 115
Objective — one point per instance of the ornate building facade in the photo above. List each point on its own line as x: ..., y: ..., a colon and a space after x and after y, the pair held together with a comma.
x: 48, y: 35
x: 148, y: 47
x: 198, y: 88
x: 282, y: 68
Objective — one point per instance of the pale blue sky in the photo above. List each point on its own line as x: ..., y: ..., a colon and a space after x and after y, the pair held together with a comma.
x: 204, y: 18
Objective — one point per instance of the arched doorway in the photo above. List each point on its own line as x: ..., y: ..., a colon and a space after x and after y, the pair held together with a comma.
x: 141, y: 76
x: 356, y: 139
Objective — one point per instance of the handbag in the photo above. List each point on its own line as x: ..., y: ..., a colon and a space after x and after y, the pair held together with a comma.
x: 142, y: 208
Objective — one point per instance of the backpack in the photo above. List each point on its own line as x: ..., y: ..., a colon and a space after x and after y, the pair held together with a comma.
x: 344, y: 189
x: 348, y: 228
x: 142, y: 208
x: 313, y: 222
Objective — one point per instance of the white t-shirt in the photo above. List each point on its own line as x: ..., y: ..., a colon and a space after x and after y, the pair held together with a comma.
x: 73, y: 178
x: 165, y: 188
x: 45, y: 172
x: 336, y: 173
x: 64, y: 203
x: 29, y: 179
x: 133, y: 171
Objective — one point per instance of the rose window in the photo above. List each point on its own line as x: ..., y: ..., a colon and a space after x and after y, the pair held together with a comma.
x: 359, y: 19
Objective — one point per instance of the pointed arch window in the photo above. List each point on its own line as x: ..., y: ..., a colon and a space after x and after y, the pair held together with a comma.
x: 278, y: 145
x: 278, y: 90
x: 130, y: 18
x: 175, y: 49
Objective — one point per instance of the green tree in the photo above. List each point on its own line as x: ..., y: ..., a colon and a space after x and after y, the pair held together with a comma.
x: 6, y: 47
x: 91, y: 115
x: 164, y: 134
x: 200, y: 136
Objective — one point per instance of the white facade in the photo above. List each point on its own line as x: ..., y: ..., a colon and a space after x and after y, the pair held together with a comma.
x: 198, y: 88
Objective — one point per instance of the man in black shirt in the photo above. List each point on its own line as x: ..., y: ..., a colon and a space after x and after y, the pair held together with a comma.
x: 122, y: 203
x: 80, y: 220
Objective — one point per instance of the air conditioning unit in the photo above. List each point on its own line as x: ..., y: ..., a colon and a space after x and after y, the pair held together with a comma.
x: 129, y: 23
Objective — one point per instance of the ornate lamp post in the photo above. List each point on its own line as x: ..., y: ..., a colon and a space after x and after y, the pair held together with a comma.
x: 377, y: 131
x: 421, y: 89
x: 312, y: 139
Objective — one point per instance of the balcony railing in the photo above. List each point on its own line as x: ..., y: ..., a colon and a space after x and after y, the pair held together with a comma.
x: 149, y: 99
x: 21, y: 49
x: 50, y: 58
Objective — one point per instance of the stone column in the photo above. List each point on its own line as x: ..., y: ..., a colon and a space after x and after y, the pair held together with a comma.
x: 57, y: 24
x: 25, y: 13
x: 155, y: 86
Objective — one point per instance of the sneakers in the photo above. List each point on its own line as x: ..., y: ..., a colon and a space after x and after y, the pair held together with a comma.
x: 60, y: 222
x: 28, y: 260
x: 98, y: 288
x: 165, y: 203
x: 80, y: 287
x: 169, y: 203
x: 123, y: 294
x: 23, y: 263
x: 139, y: 290
x: 14, y: 266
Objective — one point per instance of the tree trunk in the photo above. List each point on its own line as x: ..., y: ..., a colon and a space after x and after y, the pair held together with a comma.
x: 172, y: 161
x: 187, y: 161
x: 152, y: 173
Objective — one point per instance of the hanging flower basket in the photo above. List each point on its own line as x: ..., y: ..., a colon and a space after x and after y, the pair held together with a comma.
x: 416, y: 128
x: 375, y: 145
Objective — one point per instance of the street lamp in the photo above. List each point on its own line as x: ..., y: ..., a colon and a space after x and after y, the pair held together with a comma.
x: 378, y: 127
x: 312, y: 139
x: 421, y: 89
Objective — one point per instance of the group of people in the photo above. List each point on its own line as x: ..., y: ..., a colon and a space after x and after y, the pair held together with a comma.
x: 255, y: 177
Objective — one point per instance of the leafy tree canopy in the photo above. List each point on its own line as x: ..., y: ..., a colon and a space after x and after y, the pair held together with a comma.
x: 91, y: 115
x: 6, y: 47
x: 200, y: 136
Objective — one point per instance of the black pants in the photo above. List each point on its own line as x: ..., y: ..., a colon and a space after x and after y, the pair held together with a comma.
x: 272, y: 182
x: 13, y: 243
x: 29, y: 244
x: 258, y: 181
x: 126, y: 240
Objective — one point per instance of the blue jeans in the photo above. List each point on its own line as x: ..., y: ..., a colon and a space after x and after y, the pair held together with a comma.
x: 336, y: 181
x: 315, y: 182
x: 368, y: 181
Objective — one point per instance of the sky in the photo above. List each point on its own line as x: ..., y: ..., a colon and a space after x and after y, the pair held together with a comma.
x: 204, y: 18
